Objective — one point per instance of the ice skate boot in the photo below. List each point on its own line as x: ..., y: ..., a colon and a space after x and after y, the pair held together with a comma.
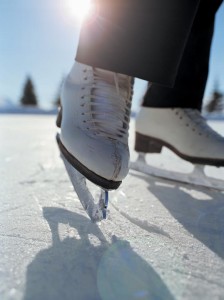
x: 94, y: 121
x: 186, y: 133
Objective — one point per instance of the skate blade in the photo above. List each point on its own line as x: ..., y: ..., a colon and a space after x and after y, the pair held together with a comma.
x: 197, y: 177
x: 96, y: 209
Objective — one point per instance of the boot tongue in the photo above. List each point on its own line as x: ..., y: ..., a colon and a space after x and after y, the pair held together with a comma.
x: 124, y: 81
x: 107, y: 76
x: 107, y: 97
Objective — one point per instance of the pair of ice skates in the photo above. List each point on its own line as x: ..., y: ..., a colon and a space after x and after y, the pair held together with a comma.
x: 94, y: 121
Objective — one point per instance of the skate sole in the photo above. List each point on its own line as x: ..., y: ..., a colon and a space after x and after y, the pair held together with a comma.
x: 93, y: 177
x: 147, y: 144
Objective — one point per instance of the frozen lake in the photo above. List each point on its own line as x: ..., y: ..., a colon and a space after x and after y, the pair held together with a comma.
x: 162, y: 240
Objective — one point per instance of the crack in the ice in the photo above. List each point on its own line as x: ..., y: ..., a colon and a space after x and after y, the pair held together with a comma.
x: 21, y: 237
x: 37, y: 172
x: 11, y: 209
x: 40, y: 208
x: 27, y: 182
x: 151, y: 228
x: 201, y: 277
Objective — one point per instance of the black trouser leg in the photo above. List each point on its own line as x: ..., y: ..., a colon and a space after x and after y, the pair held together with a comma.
x: 140, y: 38
x: 192, y: 75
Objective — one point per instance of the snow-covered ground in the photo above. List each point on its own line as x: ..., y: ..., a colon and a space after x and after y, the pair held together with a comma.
x: 162, y: 240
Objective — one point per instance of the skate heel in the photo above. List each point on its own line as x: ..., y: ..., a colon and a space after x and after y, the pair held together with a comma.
x: 59, y: 118
x: 147, y: 144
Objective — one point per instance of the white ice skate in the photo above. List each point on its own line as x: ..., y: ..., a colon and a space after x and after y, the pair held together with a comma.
x: 186, y: 133
x: 94, y: 121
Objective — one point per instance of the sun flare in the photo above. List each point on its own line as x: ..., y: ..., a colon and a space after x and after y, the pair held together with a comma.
x: 79, y: 8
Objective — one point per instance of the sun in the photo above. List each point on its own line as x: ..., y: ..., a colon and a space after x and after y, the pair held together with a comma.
x: 79, y: 8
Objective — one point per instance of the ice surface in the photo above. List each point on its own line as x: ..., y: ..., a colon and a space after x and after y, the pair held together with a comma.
x: 162, y: 240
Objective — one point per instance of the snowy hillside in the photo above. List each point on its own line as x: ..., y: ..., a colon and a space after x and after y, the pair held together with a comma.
x: 5, y: 103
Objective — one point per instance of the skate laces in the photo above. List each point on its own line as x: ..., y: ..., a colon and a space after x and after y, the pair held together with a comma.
x: 200, y: 123
x: 109, y: 104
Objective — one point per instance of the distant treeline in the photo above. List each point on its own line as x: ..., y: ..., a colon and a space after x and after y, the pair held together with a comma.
x: 214, y: 105
x: 29, y: 97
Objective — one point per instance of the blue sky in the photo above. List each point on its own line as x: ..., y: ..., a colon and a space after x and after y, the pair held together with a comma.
x: 39, y: 38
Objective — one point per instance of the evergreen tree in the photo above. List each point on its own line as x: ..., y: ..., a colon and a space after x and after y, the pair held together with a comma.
x: 57, y: 101
x: 29, y: 97
x: 216, y: 104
